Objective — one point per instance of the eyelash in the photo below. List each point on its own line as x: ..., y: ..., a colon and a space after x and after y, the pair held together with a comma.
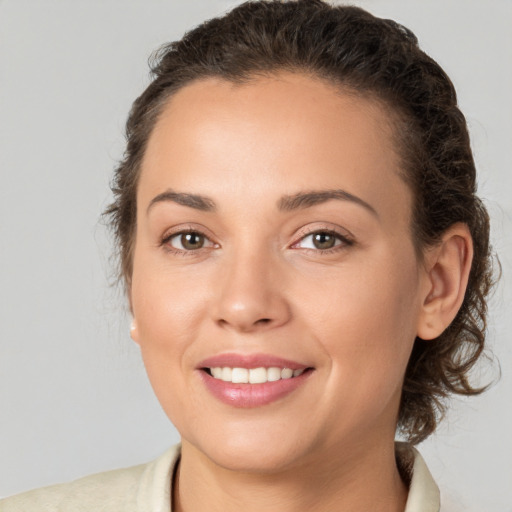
x: 179, y: 252
x: 344, y: 239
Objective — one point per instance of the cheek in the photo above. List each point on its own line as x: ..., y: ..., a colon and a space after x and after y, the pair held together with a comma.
x: 167, y: 313
x: 167, y: 306
x: 366, y: 323
x: 166, y: 299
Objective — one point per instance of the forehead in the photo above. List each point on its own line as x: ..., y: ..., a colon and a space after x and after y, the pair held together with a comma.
x: 276, y: 134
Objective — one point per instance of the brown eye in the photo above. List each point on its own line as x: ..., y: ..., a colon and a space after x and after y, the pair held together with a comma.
x: 192, y: 241
x: 188, y: 241
x: 324, y: 240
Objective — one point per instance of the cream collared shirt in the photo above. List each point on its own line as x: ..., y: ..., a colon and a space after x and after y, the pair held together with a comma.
x: 146, y: 488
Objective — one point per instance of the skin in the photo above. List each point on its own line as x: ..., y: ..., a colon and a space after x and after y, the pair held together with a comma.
x: 259, y: 285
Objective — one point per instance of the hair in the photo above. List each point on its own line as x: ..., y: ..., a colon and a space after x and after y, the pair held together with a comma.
x: 377, y: 59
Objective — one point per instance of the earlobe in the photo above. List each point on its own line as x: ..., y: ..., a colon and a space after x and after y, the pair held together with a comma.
x: 134, y: 332
x: 448, y: 265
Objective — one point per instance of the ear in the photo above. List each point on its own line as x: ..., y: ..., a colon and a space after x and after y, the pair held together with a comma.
x: 134, y: 332
x: 447, y: 272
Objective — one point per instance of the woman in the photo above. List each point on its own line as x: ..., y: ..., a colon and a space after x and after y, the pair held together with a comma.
x: 306, y: 264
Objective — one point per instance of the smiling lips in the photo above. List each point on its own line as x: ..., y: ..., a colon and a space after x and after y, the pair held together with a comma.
x: 251, y: 381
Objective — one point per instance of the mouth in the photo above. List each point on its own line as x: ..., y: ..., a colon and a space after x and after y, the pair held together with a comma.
x: 247, y: 381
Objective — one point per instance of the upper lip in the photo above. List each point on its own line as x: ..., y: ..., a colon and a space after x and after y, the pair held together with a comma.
x: 249, y: 361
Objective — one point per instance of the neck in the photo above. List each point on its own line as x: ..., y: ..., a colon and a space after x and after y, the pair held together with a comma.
x: 364, y: 478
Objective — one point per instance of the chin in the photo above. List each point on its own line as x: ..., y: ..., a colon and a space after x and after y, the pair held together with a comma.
x: 247, y: 459
x: 257, y: 452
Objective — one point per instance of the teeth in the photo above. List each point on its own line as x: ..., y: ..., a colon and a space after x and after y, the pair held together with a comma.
x: 257, y: 375
x: 254, y: 375
x: 240, y: 376
x: 226, y: 374
x: 286, y: 373
x: 273, y: 374
x: 216, y: 372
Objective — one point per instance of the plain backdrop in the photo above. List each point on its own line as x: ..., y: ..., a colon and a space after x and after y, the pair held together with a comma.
x: 74, y: 398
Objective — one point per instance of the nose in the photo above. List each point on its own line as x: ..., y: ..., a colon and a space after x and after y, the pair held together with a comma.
x: 252, y: 294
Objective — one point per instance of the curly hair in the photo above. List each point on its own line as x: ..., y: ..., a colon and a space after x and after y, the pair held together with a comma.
x: 375, y: 58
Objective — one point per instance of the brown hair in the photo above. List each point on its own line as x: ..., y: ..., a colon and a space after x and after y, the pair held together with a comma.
x: 376, y: 58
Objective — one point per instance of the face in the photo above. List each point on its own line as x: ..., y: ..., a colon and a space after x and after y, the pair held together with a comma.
x: 273, y: 239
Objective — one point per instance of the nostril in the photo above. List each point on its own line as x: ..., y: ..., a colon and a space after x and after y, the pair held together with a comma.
x: 263, y: 321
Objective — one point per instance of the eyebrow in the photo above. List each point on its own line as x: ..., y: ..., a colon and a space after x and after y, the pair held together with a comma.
x: 287, y: 203
x: 195, y: 201
x: 314, y: 197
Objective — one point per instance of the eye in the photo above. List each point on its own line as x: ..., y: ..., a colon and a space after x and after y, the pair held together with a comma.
x: 188, y: 241
x: 322, y: 240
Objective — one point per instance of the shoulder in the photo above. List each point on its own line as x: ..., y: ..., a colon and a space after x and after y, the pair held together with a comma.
x: 89, y: 493
x: 146, y: 486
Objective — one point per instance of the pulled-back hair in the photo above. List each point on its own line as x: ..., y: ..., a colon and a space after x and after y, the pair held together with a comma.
x: 375, y: 58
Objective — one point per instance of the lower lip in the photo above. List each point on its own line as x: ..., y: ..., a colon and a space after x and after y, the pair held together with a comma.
x: 252, y: 395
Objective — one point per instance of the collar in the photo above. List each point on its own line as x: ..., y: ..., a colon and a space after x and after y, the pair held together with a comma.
x: 423, y: 492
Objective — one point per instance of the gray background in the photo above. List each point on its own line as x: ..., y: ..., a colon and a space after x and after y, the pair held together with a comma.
x: 74, y: 398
